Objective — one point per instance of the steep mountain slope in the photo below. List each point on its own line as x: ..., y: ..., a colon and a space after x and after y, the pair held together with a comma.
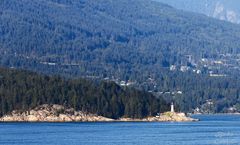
x: 100, y: 35
x: 136, y: 40
x: 227, y: 10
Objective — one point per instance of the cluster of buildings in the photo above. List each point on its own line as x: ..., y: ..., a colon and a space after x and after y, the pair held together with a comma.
x: 218, y: 66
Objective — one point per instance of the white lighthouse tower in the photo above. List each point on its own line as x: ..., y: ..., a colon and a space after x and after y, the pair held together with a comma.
x: 172, y: 107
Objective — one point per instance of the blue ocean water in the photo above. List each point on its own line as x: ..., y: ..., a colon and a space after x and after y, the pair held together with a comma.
x: 211, y: 130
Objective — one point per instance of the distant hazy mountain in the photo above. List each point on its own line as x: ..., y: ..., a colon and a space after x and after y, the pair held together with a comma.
x: 227, y: 10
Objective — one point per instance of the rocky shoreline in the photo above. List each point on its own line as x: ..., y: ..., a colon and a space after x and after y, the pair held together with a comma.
x: 58, y: 113
x: 164, y: 117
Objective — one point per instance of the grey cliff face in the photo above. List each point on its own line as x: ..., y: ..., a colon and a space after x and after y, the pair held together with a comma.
x: 227, y: 10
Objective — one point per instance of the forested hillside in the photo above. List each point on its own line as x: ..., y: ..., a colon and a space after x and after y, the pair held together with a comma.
x: 106, y: 36
x: 212, y: 94
x: 131, y: 40
x: 24, y: 90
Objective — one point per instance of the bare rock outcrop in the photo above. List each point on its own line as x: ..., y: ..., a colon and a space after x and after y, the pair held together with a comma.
x: 52, y: 113
x: 164, y: 117
x: 175, y: 117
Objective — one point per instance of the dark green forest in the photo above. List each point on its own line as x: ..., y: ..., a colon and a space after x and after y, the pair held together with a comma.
x: 23, y: 90
x: 224, y: 92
